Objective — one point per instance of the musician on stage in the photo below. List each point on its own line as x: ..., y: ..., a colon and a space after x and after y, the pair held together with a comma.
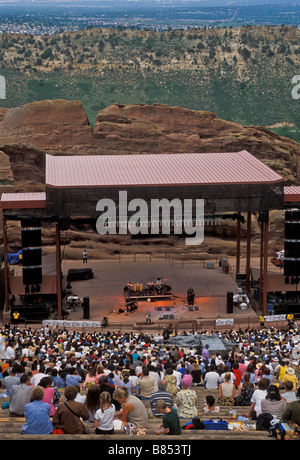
x: 190, y: 296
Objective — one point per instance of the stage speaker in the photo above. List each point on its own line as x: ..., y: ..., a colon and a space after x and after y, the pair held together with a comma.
x: 292, y: 243
x: 86, y: 308
x: 171, y: 316
x: 229, y: 302
x: 191, y: 308
x: 159, y: 308
x: 31, y: 223
x: 32, y: 275
x: 196, y: 308
x: 31, y: 256
x: 31, y: 238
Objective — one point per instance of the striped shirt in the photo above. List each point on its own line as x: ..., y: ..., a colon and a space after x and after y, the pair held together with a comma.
x: 165, y: 396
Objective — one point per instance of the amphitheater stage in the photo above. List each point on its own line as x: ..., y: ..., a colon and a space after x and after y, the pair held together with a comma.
x: 105, y: 290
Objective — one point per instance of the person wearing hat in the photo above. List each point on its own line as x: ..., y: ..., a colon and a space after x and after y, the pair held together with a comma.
x: 281, y: 370
x: 291, y: 376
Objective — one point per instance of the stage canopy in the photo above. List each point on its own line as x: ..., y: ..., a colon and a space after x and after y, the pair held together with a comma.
x: 227, y: 182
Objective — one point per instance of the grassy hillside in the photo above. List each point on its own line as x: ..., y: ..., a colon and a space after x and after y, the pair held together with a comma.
x: 243, y: 74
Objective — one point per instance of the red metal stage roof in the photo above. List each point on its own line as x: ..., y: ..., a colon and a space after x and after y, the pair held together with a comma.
x: 292, y: 194
x: 23, y: 200
x: 158, y: 169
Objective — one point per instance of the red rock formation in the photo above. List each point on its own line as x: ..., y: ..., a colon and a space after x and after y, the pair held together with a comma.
x: 54, y: 126
x: 162, y: 129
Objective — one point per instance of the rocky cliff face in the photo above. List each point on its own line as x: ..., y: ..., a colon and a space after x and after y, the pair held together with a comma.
x: 61, y: 127
x: 56, y: 126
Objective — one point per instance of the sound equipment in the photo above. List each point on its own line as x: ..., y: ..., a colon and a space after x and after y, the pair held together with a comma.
x: 32, y: 275
x: 31, y: 238
x: 292, y: 243
x: 229, y: 302
x: 31, y: 254
x: 86, y: 308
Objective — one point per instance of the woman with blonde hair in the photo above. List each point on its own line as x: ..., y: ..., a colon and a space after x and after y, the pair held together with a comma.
x: 104, y: 417
x: 133, y: 409
x: 227, y: 391
x: 196, y: 374
x: 171, y: 381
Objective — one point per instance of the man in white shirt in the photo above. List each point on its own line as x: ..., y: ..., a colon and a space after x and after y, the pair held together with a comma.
x: 10, y: 351
x: 259, y: 394
x: 37, y: 377
x: 178, y: 376
x: 211, y: 379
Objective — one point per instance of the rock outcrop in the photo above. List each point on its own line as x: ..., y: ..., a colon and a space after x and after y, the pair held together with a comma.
x: 57, y: 126
x: 62, y: 127
x: 158, y: 128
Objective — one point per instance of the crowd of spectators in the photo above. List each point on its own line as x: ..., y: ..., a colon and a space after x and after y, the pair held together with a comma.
x: 107, y: 377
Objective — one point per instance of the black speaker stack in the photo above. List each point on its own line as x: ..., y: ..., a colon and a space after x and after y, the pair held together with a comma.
x: 229, y: 306
x: 292, y: 246
x: 86, y: 308
x: 31, y: 255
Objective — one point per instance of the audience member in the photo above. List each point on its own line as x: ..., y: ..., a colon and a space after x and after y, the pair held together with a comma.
x: 133, y: 409
x: 170, y: 422
x: 10, y: 380
x: 37, y: 414
x: 290, y: 376
x: 69, y: 414
x: 227, y: 391
x: 161, y: 394
x: 292, y: 411
x: 258, y: 395
x: 20, y: 395
x: 104, y: 416
x: 289, y: 394
x: 272, y: 406
x: 49, y: 396
x: 211, y: 379
x: 186, y: 399
x: 245, y: 391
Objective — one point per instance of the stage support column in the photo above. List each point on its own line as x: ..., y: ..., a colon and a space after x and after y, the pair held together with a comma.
x: 58, y: 274
x: 6, y: 284
x: 238, y: 245
x: 248, y: 251
x: 266, y: 251
x: 261, y: 259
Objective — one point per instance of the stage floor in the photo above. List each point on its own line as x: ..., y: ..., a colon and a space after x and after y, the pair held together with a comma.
x: 105, y: 290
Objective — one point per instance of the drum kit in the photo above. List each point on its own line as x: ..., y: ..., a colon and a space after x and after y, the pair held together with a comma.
x: 150, y: 289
